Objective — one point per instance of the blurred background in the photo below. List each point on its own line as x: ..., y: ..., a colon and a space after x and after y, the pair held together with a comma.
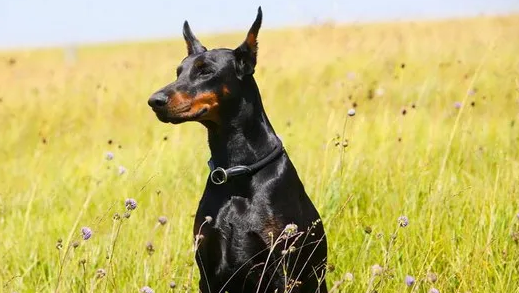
x: 434, y: 91
x: 36, y: 23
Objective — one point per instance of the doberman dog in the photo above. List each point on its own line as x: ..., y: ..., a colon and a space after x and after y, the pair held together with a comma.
x: 256, y: 229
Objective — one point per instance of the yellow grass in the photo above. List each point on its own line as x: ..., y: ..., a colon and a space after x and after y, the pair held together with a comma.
x: 453, y: 172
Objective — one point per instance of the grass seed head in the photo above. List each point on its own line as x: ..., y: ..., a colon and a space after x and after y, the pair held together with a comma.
x: 376, y: 270
x: 150, y: 248
x: 208, y: 219
x: 100, y: 273
x: 290, y: 230
x: 163, y: 220
x: 432, y: 277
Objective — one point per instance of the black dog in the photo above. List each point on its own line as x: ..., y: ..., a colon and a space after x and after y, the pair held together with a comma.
x: 256, y: 229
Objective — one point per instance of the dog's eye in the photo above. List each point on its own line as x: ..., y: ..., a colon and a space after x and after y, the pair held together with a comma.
x: 205, y: 71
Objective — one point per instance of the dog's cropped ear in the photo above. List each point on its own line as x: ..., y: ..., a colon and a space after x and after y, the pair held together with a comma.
x: 246, y: 53
x: 193, y: 44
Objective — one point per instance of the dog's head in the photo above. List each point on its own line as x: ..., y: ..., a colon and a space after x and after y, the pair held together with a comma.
x: 206, y: 79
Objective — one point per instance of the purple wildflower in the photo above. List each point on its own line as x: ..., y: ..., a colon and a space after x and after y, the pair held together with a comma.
x: 517, y: 216
x: 434, y: 290
x: 86, y: 232
x: 172, y: 284
x: 471, y: 92
x: 147, y: 289
x: 351, y: 112
x: 130, y: 204
x: 163, y: 220
x: 109, y: 156
x: 403, y: 221
x: 409, y: 281
x: 121, y: 170
x: 457, y: 105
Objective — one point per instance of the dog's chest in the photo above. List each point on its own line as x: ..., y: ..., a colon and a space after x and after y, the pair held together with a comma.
x: 240, y: 230
x: 237, y: 215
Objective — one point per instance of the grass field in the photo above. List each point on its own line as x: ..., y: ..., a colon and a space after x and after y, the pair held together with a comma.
x: 435, y: 138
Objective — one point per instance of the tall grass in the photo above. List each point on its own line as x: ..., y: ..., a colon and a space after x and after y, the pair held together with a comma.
x: 435, y: 138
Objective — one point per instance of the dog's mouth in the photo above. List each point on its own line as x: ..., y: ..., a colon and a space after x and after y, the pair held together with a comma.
x: 181, y: 107
x: 180, y: 115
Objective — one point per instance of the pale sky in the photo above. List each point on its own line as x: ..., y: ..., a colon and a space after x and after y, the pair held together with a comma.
x: 36, y: 23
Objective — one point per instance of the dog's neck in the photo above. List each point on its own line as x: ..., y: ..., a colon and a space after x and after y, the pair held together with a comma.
x: 245, y: 134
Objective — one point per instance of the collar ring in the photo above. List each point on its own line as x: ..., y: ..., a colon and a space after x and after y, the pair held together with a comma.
x: 219, y: 176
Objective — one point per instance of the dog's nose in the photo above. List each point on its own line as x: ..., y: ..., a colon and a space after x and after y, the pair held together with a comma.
x: 158, y: 100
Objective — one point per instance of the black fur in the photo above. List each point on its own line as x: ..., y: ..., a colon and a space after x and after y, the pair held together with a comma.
x: 249, y: 212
